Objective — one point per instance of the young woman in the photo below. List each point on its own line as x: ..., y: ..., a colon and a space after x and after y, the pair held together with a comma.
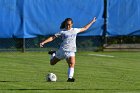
x: 68, y: 46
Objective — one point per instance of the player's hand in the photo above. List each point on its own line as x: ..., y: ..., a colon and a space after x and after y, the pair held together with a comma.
x: 94, y: 19
x: 41, y: 44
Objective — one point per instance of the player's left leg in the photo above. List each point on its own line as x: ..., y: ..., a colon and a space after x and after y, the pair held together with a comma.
x: 71, y: 64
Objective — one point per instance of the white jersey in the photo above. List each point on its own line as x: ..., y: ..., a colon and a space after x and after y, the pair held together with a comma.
x: 69, y: 39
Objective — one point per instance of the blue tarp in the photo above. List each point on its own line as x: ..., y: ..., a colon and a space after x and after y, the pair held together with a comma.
x: 123, y: 17
x: 9, y: 18
x: 30, y: 18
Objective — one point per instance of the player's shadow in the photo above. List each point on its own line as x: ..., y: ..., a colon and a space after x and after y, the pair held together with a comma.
x: 9, y: 81
x: 30, y: 81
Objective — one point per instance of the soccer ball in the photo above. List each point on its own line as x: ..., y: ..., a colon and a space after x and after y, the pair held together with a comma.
x: 51, y: 77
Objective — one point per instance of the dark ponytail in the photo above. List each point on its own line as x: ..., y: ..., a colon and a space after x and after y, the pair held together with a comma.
x: 62, y: 26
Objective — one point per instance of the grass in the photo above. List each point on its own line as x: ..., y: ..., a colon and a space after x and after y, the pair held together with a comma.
x: 26, y: 72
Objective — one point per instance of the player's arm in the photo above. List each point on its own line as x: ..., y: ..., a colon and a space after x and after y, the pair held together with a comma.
x: 47, y: 40
x: 88, y: 25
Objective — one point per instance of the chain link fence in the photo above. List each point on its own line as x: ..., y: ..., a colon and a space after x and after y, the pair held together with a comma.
x: 84, y: 43
x: 122, y: 43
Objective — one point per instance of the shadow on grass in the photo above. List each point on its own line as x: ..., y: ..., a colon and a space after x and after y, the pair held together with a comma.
x: 74, y: 89
x: 28, y: 81
x: 95, y: 89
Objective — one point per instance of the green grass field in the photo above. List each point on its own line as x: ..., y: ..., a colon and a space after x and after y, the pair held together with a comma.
x: 95, y: 72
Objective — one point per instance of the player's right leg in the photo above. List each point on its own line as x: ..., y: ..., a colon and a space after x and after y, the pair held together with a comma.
x: 54, y: 60
x: 56, y: 56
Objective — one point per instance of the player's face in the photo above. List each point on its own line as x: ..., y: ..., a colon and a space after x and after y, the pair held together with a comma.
x: 68, y: 25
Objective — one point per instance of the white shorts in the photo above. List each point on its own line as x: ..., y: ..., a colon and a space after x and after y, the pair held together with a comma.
x: 60, y: 54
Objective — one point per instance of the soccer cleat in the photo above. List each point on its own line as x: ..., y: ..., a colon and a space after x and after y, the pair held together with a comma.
x: 51, y: 52
x: 70, y: 80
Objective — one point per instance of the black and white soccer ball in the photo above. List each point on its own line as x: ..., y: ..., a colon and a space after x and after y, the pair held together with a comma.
x: 51, y: 77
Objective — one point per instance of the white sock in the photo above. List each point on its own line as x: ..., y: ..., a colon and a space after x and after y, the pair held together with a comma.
x: 52, y: 56
x: 70, y: 72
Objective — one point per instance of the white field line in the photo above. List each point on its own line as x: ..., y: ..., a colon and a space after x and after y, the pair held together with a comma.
x: 99, y: 55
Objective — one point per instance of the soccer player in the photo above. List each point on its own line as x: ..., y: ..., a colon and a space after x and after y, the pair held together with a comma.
x: 68, y: 46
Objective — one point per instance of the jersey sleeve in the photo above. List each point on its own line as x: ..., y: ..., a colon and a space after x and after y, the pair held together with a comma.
x: 77, y: 30
x: 57, y: 34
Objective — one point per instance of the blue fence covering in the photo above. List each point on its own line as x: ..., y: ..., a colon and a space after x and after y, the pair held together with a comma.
x: 123, y: 17
x: 30, y: 18
x: 9, y: 19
